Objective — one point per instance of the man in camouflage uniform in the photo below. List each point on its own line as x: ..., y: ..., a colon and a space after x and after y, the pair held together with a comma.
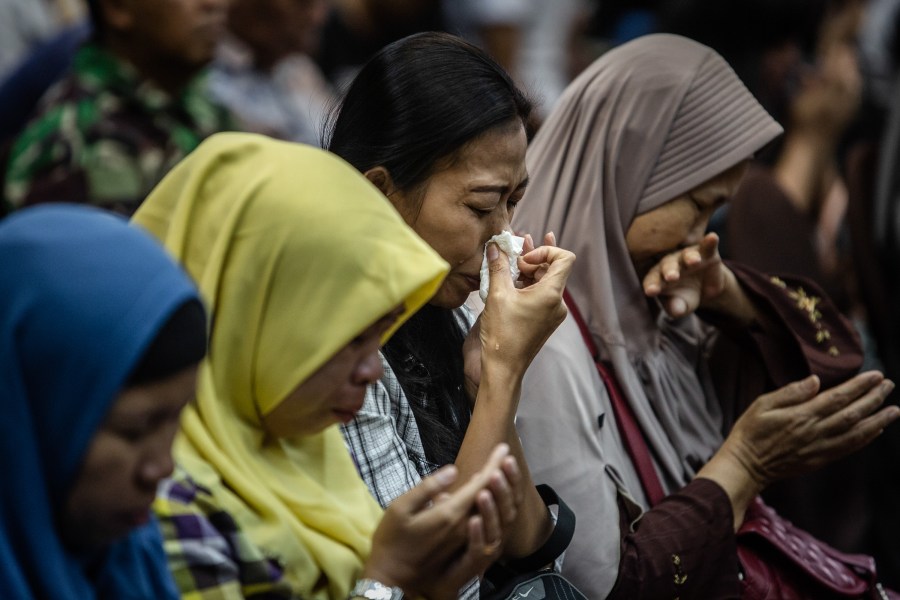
x: 131, y: 107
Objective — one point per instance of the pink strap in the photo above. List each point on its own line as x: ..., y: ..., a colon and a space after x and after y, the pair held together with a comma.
x: 635, y: 443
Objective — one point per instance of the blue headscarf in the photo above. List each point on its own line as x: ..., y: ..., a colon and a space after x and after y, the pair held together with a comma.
x: 82, y: 294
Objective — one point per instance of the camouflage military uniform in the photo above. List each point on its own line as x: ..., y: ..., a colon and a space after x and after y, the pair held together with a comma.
x: 104, y: 136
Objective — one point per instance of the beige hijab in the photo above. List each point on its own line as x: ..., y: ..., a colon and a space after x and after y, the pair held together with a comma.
x: 647, y: 122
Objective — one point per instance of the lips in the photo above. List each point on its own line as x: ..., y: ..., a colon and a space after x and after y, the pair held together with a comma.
x: 347, y: 412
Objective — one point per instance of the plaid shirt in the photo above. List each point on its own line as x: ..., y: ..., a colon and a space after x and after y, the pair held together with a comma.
x: 105, y: 136
x: 209, y: 557
x: 384, y: 440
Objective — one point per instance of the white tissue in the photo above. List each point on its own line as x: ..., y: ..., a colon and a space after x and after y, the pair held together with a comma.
x: 512, y: 246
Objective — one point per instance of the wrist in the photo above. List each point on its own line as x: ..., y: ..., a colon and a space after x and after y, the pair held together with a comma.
x: 732, y: 302
x: 733, y: 475
x: 374, y: 572
x: 372, y: 589
x: 499, y: 371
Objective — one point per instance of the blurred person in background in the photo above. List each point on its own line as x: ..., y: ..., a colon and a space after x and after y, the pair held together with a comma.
x: 789, y: 215
x: 264, y: 72
x: 131, y: 106
x: 26, y: 23
x: 357, y: 29
x: 536, y: 42
x: 875, y: 227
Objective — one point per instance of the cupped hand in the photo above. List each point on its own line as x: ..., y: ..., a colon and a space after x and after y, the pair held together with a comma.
x: 484, y: 534
x: 431, y: 541
x: 689, y: 278
x: 517, y: 321
x: 796, y: 429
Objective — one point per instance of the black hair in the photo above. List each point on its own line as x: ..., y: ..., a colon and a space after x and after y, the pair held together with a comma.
x: 412, y: 108
x: 420, y: 100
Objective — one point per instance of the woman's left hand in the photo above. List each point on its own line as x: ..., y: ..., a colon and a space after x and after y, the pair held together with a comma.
x: 695, y: 277
x: 684, y: 279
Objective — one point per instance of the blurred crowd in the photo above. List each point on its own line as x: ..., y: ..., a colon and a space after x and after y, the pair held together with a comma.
x: 102, y: 98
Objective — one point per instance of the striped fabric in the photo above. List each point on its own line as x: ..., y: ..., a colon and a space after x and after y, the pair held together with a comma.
x: 210, y: 558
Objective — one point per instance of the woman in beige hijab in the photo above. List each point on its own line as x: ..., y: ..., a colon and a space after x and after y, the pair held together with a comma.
x: 626, y: 171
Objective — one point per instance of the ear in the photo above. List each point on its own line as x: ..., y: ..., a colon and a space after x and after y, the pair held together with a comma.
x: 117, y: 15
x: 381, y: 178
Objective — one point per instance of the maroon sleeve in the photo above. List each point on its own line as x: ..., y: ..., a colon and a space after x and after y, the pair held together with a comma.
x: 798, y: 332
x: 684, y: 547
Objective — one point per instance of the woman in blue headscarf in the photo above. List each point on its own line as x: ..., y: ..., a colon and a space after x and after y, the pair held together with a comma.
x: 100, y: 334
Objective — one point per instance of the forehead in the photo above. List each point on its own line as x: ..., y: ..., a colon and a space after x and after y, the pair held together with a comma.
x: 498, y: 153
x: 163, y: 395
x: 723, y: 184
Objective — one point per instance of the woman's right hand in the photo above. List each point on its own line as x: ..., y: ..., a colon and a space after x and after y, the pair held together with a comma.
x: 797, y: 429
x: 431, y: 542
x: 517, y: 321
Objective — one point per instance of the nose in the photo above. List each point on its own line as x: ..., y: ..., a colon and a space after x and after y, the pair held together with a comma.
x: 157, y: 463
x: 368, y: 370
x: 499, y: 223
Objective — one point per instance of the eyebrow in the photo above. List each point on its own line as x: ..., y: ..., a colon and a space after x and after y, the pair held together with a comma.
x: 499, y: 189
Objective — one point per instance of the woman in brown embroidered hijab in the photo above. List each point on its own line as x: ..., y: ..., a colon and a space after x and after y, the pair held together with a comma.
x: 626, y: 171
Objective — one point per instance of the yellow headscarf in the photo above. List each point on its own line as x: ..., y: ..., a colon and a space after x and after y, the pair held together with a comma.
x: 296, y: 254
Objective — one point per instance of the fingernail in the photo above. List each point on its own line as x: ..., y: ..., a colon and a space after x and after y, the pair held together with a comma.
x: 887, y: 386
x: 809, y: 384
x: 446, y: 475
x: 679, y: 306
x: 493, y: 252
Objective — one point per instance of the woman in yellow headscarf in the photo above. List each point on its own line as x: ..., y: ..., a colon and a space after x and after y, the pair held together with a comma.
x: 306, y: 269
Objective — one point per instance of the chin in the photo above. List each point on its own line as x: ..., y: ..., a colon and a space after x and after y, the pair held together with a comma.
x: 450, y: 296
x: 449, y: 302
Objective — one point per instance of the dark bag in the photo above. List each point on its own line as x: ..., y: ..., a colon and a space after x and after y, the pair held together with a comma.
x: 546, y: 585
x: 529, y: 578
x: 782, y: 562
x: 778, y: 561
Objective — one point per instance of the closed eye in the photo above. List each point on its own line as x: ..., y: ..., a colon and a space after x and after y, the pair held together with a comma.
x: 481, y: 212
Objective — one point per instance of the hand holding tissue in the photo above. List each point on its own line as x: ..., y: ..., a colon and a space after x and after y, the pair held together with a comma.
x: 509, y: 244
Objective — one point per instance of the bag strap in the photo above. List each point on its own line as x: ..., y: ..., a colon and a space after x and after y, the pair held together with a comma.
x: 558, y: 541
x: 631, y: 432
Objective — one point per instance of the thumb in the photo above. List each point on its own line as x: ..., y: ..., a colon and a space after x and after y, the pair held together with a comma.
x: 498, y: 267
